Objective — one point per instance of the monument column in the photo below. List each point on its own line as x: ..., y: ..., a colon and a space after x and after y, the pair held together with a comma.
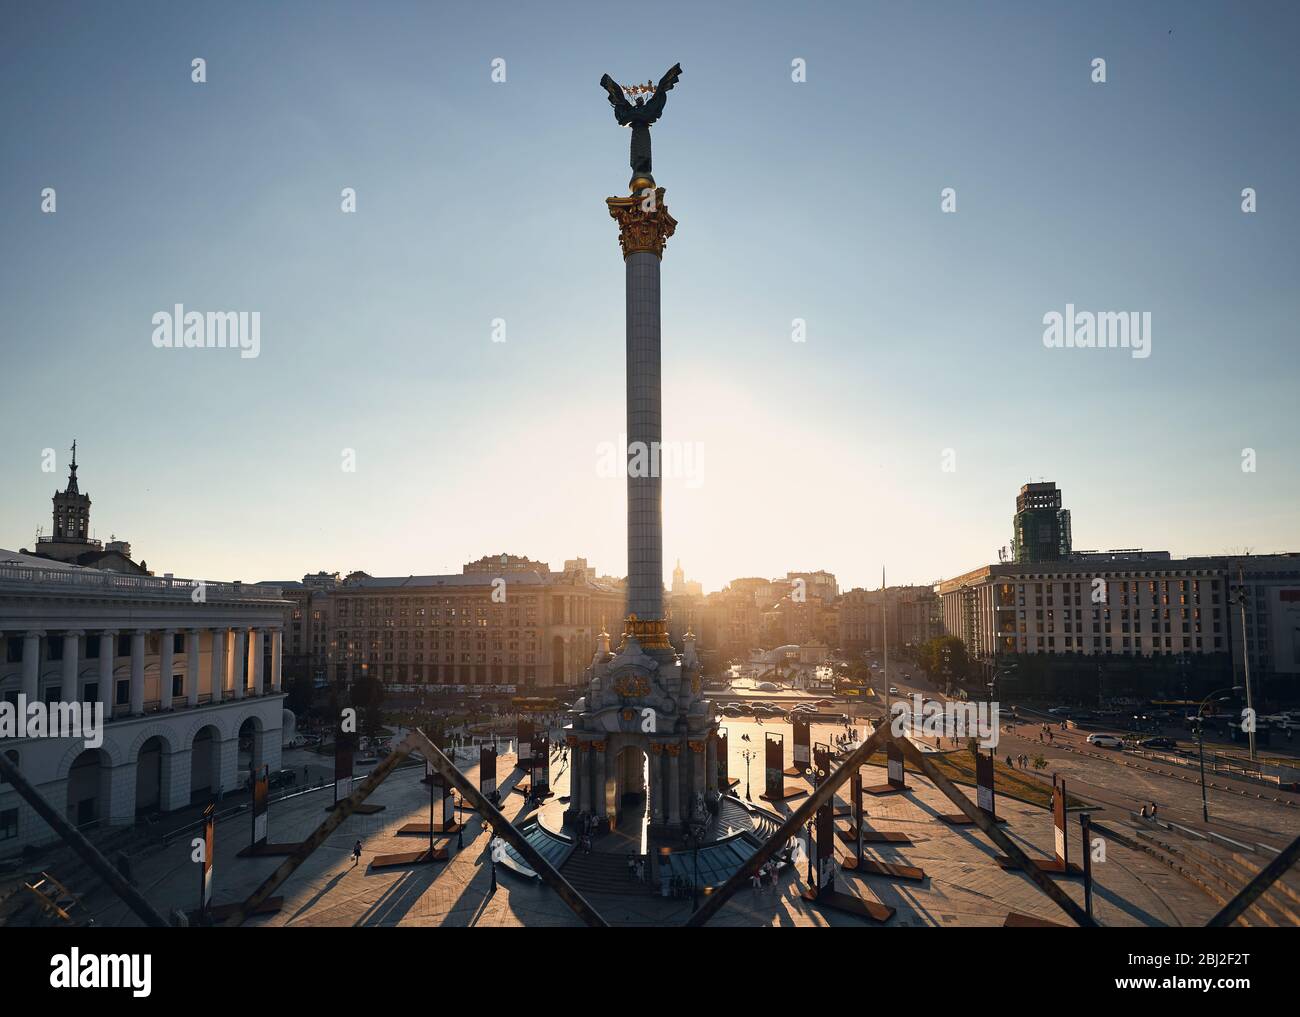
x: 166, y: 664
x: 220, y: 636
x: 644, y: 227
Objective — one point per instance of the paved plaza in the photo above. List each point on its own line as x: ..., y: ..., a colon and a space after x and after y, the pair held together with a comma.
x: 964, y: 885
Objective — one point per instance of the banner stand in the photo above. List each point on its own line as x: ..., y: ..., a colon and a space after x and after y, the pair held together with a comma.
x: 855, y: 831
x: 260, y: 846
x: 343, y: 780
x: 823, y: 893
x: 774, y: 787
x: 984, y: 795
x: 896, y: 780
x: 1059, y: 864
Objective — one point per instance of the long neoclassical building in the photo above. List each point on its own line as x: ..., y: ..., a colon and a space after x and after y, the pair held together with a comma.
x: 183, y: 668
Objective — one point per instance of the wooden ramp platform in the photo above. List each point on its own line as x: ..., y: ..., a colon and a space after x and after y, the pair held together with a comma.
x: 792, y: 771
x: 883, y: 789
x: 364, y: 809
x: 849, y: 905
x: 269, y: 850
x: 1015, y: 920
x: 406, y: 858
x: 218, y: 913
x: 961, y: 819
x: 870, y: 867
x: 1048, y: 865
x: 849, y: 834
x: 422, y: 829
x: 791, y: 791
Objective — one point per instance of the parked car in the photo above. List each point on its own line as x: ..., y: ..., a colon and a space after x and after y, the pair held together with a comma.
x: 893, y: 690
x: 1106, y: 741
x: 1059, y: 711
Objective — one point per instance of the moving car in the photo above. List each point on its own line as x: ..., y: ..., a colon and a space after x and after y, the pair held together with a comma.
x: 1106, y: 741
x: 1158, y: 743
x: 893, y: 690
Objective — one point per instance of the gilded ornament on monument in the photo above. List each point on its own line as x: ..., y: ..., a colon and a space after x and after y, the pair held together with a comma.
x: 673, y: 748
x: 697, y: 747
x: 632, y: 686
x: 643, y: 222
x: 598, y: 746
x: 656, y: 749
x: 628, y: 715
x: 571, y: 741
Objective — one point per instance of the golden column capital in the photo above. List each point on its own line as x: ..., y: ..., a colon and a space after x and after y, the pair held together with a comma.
x: 644, y: 224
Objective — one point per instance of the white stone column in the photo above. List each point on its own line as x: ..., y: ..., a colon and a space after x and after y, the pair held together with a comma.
x: 192, y: 667
x: 137, y: 686
x: 277, y: 650
x: 655, y: 792
x: 175, y: 768
x: 107, y: 658
x: 71, y: 642
x: 238, y: 662
x: 227, y: 765
x: 674, y: 787
x: 166, y: 660
x: 259, y: 662
x: 219, y: 639
x: 32, y: 665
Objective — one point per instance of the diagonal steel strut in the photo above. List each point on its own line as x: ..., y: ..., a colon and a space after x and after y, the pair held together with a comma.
x: 1259, y: 883
x: 417, y: 740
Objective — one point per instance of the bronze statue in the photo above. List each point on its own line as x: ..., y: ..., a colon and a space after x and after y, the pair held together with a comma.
x: 641, y: 115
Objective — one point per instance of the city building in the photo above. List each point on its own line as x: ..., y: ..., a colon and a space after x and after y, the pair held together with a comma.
x: 185, y: 670
x: 1040, y: 528
x: 70, y: 540
x: 519, y: 624
x: 912, y: 612
x: 1117, y: 608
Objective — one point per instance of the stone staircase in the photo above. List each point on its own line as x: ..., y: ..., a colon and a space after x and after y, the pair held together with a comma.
x: 1219, y: 871
x: 603, y: 873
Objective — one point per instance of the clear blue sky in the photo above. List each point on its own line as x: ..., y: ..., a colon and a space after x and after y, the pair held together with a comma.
x: 479, y: 200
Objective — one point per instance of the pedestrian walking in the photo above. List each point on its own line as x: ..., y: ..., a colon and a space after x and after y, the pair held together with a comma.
x: 356, y: 854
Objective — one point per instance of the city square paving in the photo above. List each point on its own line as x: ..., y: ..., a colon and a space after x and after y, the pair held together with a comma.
x: 964, y: 886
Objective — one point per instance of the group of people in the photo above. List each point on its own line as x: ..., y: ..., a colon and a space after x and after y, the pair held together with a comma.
x: 761, y: 875
x: 636, y: 868
x: 587, y: 823
x: 1149, y: 812
x: 1022, y: 761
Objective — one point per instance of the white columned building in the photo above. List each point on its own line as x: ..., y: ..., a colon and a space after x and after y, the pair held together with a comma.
x: 159, y: 662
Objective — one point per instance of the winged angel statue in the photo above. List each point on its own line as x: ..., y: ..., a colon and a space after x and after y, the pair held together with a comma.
x: 641, y: 115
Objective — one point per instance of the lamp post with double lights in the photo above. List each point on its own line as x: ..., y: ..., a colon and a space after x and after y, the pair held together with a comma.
x: 747, y: 754
x: 1200, y: 740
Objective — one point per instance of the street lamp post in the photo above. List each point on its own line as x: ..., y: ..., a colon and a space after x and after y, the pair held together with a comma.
x: 1245, y: 657
x: 1200, y: 741
x: 748, y: 754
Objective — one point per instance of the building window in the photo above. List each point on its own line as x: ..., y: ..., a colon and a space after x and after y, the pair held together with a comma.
x: 8, y: 824
x: 124, y: 692
x: 178, y: 686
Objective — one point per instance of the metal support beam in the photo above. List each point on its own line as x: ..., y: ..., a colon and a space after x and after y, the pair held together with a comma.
x: 506, y: 830
x: 416, y: 740
x: 1251, y: 892
x: 976, y: 815
x: 75, y: 839
x: 318, y: 836
x: 791, y: 827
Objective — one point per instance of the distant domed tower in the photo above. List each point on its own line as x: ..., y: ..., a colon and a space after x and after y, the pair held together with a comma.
x: 72, y: 509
